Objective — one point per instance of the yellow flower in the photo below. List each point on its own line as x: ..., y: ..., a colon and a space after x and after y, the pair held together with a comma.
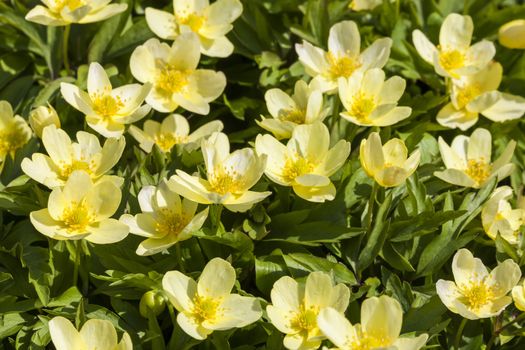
x: 305, y: 106
x: 477, y: 94
x: 107, y: 110
x: 14, y: 132
x: 387, y: 164
x: 64, y: 12
x: 295, y: 308
x: 468, y: 160
x: 41, y: 117
x: 370, y: 100
x: 66, y: 156
x: 210, y: 22
x: 94, y: 335
x: 380, y: 327
x: 512, y: 34
x: 174, y: 75
x: 476, y: 293
x: 174, y: 130
x: 208, y: 305
x: 518, y: 294
x: 82, y: 210
x: 364, y: 5
x: 497, y: 216
x: 344, y: 56
x: 454, y: 55
x: 229, y: 176
x: 165, y: 219
x: 306, y: 162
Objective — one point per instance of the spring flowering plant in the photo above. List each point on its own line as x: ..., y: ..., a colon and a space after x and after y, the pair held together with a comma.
x: 262, y: 175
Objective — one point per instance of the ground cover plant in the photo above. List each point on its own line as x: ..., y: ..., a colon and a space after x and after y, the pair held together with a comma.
x: 262, y: 174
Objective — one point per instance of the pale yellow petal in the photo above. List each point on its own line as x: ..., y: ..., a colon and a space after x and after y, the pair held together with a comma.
x: 162, y: 23
x: 512, y: 34
x: 64, y: 335
x: 217, y: 279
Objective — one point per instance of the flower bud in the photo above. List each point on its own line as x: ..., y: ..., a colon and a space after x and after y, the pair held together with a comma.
x: 152, y: 300
x: 512, y: 34
x: 41, y: 117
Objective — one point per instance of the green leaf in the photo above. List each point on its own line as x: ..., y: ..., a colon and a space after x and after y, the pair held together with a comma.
x: 377, y: 236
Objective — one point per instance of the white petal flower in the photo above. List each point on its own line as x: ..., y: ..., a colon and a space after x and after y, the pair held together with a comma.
x: 208, y: 305
x: 173, y: 73
x: 344, y: 56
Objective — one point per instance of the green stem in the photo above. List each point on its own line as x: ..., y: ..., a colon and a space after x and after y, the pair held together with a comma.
x: 371, y: 202
x: 498, y: 331
x: 336, y: 106
x: 215, y: 216
x: 172, y: 315
x: 178, y: 255
x: 459, y: 333
x: 65, y: 43
x: 78, y: 252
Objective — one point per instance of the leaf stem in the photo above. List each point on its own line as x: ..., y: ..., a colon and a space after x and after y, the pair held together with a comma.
x: 460, y: 333
x: 178, y: 255
x: 78, y: 252
x: 371, y: 202
x: 65, y: 44
x: 498, y: 331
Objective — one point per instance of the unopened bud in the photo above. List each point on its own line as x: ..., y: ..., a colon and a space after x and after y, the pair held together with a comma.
x: 152, y: 300
x: 41, y: 117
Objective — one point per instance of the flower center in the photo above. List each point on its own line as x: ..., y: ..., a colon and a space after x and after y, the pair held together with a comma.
x: 368, y: 341
x: 223, y: 181
x: 11, y: 139
x: 67, y: 169
x: 107, y: 105
x: 169, y: 223
x: 172, y: 80
x: 478, y: 170
x: 467, y: 94
x: 306, y: 319
x: 204, y: 308
x: 362, y: 106
x: 477, y: 295
x: 452, y: 59
x: 296, y: 166
x: 295, y: 115
x: 193, y: 21
x: 72, y: 4
x: 167, y: 141
x: 76, y: 217
x: 341, y: 66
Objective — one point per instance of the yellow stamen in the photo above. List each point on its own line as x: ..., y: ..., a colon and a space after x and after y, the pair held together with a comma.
x: 11, y: 139
x: 296, y: 116
x: 106, y: 105
x: 467, y: 94
x: 362, y: 106
x: 452, y: 59
x: 369, y: 341
x: 224, y: 181
x: 478, y: 170
x: 342, y: 66
x: 306, y: 319
x: 166, y: 141
x: 77, y: 217
x: 67, y: 169
x: 204, y: 309
x: 477, y: 295
x: 171, y: 80
x: 296, y: 166
x: 71, y: 4
x: 192, y: 20
x: 169, y: 222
